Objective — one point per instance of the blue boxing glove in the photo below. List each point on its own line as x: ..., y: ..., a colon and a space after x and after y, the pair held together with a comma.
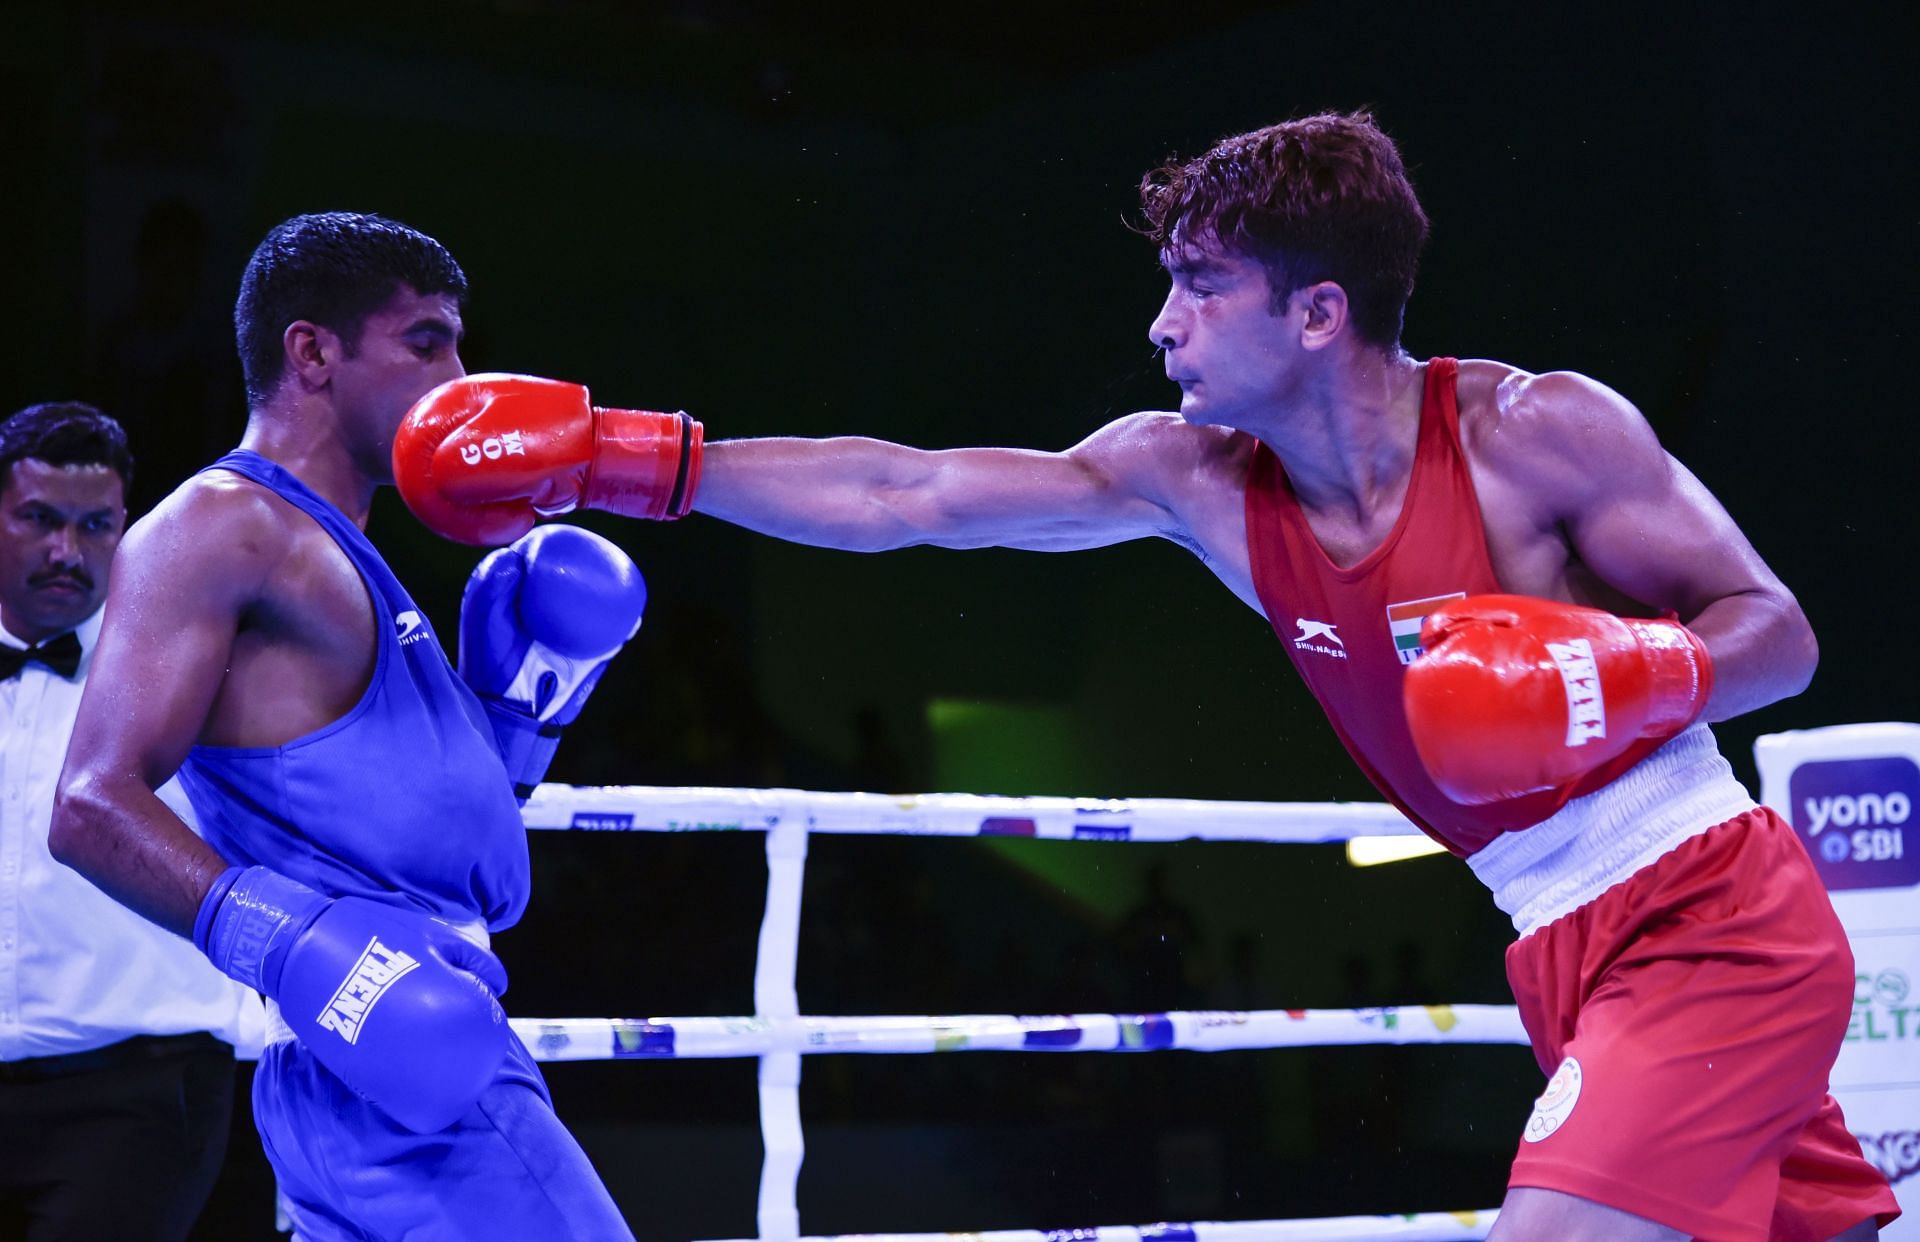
x: 399, y: 1005
x: 539, y: 621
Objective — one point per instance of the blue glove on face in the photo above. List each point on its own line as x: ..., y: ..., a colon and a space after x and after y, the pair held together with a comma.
x: 399, y: 1005
x: 539, y: 621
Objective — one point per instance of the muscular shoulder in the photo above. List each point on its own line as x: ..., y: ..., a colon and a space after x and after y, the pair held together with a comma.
x: 224, y: 533
x: 1164, y: 456
x: 1561, y: 433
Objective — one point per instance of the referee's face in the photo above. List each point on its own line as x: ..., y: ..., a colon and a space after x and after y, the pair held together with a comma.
x: 59, y: 526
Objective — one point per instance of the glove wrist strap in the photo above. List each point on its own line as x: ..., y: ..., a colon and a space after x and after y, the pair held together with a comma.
x: 1680, y: 675
x: 247, y: 921
x: 527, y: 745
x: 646, y: 463
x: 210, y: 907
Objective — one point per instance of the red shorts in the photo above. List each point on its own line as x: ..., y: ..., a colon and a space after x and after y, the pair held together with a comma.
x: 1690, y: 1017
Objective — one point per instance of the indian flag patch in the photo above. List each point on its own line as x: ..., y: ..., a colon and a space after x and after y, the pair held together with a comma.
x: 1404, y: 621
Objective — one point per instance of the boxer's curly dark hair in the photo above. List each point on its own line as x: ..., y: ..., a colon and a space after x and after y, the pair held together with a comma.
x: 65, y: 433
x: 1324, y: 197
x: 333, y: 268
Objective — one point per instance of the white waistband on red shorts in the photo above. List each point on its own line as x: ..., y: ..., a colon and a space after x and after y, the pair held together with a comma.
x: 1594, y: 842
x: 278, y: 1032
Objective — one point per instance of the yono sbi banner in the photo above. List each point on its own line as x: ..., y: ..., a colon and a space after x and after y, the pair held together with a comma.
x: 1852, y: 792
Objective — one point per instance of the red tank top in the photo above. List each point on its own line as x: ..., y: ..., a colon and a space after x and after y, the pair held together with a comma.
x: 1351, y: 632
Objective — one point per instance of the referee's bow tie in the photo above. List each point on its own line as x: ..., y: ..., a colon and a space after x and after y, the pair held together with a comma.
x: 61, y: 654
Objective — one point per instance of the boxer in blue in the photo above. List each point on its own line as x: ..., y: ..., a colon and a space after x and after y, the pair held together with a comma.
x: 356, y: 794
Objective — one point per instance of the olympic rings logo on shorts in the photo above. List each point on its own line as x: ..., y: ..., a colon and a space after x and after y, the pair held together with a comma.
x: 1555, y: 1104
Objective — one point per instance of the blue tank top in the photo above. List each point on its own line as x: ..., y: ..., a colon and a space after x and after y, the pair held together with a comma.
x: 402, y: 800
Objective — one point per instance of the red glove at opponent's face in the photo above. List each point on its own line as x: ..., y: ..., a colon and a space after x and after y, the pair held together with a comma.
x: 480, y: 459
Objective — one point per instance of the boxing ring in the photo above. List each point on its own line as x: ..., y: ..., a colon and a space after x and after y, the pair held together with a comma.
x: 779, y: 1035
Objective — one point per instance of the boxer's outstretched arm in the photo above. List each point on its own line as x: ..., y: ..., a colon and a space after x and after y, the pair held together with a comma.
x: 181, y: 581
x: 869, y: 495
x: 1647, y: 527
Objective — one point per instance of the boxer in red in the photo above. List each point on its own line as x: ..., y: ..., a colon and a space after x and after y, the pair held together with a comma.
x: 1518, y: 611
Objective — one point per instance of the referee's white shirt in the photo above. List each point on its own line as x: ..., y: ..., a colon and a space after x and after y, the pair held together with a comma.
x: 78, y: 970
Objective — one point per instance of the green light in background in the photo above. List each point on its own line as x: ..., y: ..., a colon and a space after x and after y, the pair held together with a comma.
x: 1026, y: 749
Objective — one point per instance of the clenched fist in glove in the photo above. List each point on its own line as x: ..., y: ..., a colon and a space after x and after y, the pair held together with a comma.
x: 538, y: 623
x: 479, y: 458
x: 396, y: 1003
x: 1516, y: 695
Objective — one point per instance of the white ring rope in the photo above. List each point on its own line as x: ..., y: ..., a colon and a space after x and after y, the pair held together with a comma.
x: 636, y: 808
x: 1413, y: 1227
x: 780, y: 1035
x: 609, y: 1039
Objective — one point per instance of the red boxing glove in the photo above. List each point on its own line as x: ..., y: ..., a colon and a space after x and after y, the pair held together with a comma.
x: 479, y: 459
x: 1516, y: 695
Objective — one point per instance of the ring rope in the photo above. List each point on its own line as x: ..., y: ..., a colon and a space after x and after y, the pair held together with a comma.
x: 1411, y: 1227
x: 779, y: 1035
x: 614, y: 1039
x: 636, y: 808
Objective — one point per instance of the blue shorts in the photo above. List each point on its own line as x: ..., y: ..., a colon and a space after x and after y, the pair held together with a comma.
x: 349, y: 1173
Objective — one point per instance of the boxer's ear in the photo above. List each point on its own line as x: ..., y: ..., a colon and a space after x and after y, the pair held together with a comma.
x: 1327, y: 313
x: 312, y: 351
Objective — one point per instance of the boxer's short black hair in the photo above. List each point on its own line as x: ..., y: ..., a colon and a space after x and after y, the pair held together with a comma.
x: 332, y: 268
x: 1324, y: 197
x: 65, y: 433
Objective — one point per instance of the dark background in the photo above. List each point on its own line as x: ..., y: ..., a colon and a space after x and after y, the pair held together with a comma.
x: 908, y: 221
